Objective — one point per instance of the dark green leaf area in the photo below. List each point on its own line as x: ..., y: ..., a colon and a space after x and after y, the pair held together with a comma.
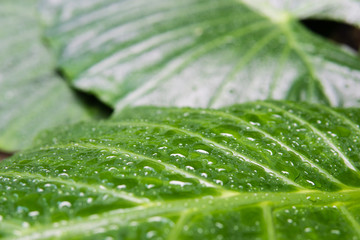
x: 261, y: 170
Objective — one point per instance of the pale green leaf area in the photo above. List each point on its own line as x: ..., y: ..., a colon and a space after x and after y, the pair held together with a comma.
x: 202, y: 53
x: 262, y: 170
x: 339, y: 10
x: 31, y: 97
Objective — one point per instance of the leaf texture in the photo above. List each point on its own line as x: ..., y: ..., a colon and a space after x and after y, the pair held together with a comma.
x: 262, y: 170
x: 202, y: 53
x: 32, y: 98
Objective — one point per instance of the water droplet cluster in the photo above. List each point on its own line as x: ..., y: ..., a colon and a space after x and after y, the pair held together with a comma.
x: 253, y: 170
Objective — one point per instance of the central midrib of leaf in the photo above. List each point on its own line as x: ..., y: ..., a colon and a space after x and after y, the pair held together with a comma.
x: 284, y: 20
x: 228, y: 200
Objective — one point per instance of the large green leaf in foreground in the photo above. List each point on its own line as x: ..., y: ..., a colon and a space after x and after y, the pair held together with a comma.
x: 31, y: 97
x: 264, y: 170
x: 203, y: 52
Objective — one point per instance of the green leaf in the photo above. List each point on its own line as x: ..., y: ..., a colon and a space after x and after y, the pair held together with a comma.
x: 262, y: 170
x: 203, y: 53
x: 32, y: 98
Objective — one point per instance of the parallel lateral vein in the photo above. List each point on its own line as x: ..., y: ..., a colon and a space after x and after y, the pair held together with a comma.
x: 281, y: 143
x: 347, y: 161
x: 180, y: 62
x: 167, y: 166
x: 138, y: 25
x: 211, y: 143
x: 142, y: 46
x: 327, y: 109
x: 111, y: 12
x: 343, y: 117
x: 96, y: 188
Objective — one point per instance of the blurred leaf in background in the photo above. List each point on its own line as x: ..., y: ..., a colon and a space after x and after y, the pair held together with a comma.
x: 202, y: 53
x: 32, y: 97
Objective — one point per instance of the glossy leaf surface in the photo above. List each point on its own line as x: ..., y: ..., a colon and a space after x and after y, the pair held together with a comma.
x: 263, y: 170
x: 32, y: 98
x: 203, y: 53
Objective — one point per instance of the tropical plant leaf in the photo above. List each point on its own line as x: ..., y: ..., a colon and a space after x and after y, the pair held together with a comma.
x: 203, y: 53
x: 31, y: 97
x: 263, y: 170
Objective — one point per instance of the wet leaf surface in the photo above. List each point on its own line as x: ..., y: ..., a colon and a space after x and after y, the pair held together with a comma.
x: 262, y: 170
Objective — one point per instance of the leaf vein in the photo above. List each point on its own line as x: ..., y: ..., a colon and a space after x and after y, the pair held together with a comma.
x: 328, y: 141
x: 94, y: 187
x: 281, y: 143
x: 167, y: 166
x: 180, y: 62
x: 210, y: 142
